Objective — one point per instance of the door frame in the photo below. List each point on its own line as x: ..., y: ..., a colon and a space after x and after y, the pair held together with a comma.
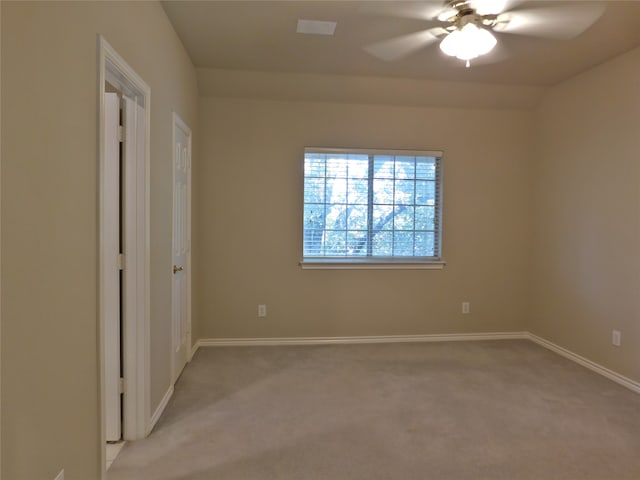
x: 178, y: 123
x: 136, y: 314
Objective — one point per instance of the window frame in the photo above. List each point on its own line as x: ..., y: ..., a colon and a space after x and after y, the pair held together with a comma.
x: 380, y: 262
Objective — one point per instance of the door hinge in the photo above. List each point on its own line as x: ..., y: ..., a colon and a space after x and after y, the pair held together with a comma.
x: 121, y: 385
x: 121, y: 133
x: 120, y: 261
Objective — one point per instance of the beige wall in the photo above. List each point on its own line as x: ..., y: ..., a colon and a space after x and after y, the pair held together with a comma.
x: 587, y: 217
x: 0, y: 239
x: 250, y: 221
x: 364, y: 90
x: 49, y: 220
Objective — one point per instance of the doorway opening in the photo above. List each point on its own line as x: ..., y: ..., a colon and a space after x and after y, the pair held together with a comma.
x: 123, y: 235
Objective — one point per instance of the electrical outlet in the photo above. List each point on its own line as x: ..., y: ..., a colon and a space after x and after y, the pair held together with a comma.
x: 60, y: 475
x: 262, y: 310
x: 616, y: 337
x: 466, y: 307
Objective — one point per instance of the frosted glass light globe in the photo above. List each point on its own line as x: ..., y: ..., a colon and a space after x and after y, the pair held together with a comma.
x: 468, y: 43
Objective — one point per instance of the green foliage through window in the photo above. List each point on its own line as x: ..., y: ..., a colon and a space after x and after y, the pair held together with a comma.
x: 371, y: 205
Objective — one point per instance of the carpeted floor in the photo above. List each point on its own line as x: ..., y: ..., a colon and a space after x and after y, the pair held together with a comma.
x: 456, y: 411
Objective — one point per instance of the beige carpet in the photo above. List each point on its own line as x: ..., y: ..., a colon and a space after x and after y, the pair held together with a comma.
x: 456, y: 411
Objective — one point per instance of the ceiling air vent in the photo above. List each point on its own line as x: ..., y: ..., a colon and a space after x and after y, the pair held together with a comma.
x: 316, y: 27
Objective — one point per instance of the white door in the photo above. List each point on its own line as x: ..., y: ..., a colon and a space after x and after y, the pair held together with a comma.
x: 181, y: 245
x: 111, y: 275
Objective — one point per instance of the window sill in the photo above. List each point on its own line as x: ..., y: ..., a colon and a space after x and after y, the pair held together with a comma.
x: 334, y: 264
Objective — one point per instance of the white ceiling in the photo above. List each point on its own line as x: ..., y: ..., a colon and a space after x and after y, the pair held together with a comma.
x: 261, y: 35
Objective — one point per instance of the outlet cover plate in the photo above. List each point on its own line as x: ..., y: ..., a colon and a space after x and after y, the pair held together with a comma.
x: 466, y: 307
x: 616, y: 338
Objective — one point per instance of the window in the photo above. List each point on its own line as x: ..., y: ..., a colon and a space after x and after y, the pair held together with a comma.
x: 372, y: 207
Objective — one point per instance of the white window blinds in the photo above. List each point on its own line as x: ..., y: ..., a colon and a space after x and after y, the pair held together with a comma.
x: 372, y: 205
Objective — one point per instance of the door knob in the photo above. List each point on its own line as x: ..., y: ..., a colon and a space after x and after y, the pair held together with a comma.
x: 177, y: 269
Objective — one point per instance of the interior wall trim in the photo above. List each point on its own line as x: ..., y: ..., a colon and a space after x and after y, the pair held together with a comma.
x: 441, y: 337
x: 585, y: 362
x: 194, y: 349
x: 163, y: 404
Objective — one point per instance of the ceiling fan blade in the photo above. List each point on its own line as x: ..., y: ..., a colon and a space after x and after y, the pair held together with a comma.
x: 400, y: 47
x: 493, y: 7
x: 419, y: 11
x: 560, y: 22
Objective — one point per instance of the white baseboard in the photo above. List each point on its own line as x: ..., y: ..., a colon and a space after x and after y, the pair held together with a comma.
x: 593, y: 366
x: 254, y: 342
x: 194, y: 349
x: 163, y: 404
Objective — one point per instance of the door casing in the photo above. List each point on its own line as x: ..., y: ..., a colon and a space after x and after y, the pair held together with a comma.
x: 136, y: 322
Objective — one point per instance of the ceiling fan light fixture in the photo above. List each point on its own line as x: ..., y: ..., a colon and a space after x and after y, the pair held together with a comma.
x: 468, y: 42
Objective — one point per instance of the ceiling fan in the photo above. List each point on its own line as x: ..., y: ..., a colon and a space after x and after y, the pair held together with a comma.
x: 466, y: 29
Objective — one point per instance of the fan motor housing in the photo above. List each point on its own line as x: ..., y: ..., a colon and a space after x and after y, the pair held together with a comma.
x: 467, y: 14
